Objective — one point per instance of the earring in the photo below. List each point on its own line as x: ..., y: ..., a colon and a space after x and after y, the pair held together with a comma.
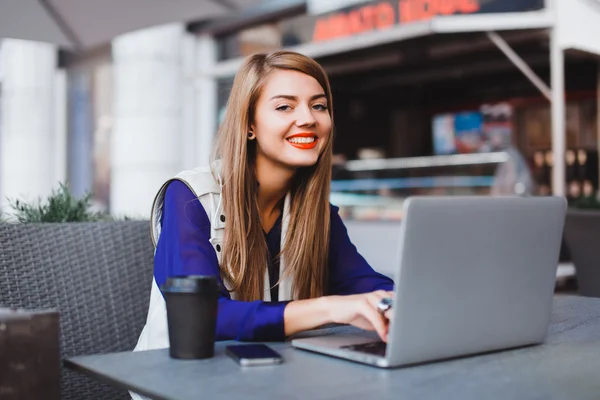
x: 251, y: 136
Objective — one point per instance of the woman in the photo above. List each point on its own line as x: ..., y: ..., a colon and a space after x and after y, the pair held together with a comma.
x: 260, y: 217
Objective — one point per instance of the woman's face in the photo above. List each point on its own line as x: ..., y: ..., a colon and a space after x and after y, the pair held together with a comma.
x: 291, y: 120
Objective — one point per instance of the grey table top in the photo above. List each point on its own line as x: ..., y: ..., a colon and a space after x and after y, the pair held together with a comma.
x: 566, y: 366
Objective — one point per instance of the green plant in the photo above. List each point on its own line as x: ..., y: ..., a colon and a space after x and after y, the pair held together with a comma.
x: 60, y: 206
x: 586, y: 203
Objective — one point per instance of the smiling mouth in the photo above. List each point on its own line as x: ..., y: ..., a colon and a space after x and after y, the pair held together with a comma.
x: 303, y: 142
x: 302, y: 139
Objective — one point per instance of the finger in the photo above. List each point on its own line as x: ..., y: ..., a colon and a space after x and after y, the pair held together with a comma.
x: 389, y: 315
x: 376, y: 297
x: 375, y: 318
x: 363, y: 323
x: 381, y: 294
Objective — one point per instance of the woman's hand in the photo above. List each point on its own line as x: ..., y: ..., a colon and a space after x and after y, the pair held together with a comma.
x: 361, y: 310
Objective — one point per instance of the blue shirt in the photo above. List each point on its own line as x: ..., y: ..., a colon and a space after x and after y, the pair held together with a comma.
x: 184, y: 249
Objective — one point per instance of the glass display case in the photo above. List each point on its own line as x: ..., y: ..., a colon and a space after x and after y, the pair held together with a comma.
x: 375, y: 189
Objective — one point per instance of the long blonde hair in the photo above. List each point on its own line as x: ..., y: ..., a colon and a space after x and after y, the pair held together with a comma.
x: 245, y: 252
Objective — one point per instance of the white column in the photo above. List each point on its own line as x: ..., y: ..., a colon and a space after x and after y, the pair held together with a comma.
x: 80, y: 145
x: 206, y: 99
x: 146, y: 142
x: 27, y: 161
x: 102, y: 132
x: 557, y: 64
x: 598, y: 125
x: 60, y: 127
x: 188, y: 95
x: 557, y: 83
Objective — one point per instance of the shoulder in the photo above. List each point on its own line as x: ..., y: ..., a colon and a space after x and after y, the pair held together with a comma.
x: 184, y: 189
x: 201, y: 180
x: 335, y: 220
x: 199, y: 171
x: 177, y: 190
x: 333, y: 210
x: 179, y: 200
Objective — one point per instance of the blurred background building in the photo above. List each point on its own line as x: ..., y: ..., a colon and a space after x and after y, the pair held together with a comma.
x: 450, y: 97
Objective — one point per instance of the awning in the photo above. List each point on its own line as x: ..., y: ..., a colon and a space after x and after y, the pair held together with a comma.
x: 85, y: 24
x: 436, y: 25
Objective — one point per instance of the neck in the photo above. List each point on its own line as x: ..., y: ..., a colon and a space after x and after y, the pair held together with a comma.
x: 274, y: 183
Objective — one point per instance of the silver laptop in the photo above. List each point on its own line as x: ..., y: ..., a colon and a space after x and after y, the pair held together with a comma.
x: 475, y: 274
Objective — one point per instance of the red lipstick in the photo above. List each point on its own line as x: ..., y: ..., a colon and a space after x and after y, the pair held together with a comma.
x: 303, y: 143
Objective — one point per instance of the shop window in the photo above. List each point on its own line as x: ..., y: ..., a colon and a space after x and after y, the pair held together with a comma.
x: 257, y: 39
x: 588, y: 132
x: 537, y: 126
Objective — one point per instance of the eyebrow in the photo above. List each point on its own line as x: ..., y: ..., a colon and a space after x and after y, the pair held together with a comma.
x: 295, y: 98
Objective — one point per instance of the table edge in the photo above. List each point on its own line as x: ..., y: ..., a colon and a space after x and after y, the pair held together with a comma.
x: 72, y: 364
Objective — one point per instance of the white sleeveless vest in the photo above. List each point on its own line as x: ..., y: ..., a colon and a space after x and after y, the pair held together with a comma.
x: 202, y: 183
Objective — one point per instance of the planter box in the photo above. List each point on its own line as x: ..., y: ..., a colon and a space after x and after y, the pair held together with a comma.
x: 582, y: 237
x: 29, y: 355
x: 98, y: 277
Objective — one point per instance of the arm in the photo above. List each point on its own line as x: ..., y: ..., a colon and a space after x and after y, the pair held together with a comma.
x: 359, y: 310
x: 302, y: 315
x: 349, y: 272
x: 355, y: 287
x: 184, y: 249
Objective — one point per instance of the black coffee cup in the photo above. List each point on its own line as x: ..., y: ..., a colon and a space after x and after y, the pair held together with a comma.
x: 191, y: 315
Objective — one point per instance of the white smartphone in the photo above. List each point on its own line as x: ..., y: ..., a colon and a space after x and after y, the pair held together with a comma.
x: 253, y: 354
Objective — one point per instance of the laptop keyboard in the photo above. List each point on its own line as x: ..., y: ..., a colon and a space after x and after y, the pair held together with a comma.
x: 376, y: 348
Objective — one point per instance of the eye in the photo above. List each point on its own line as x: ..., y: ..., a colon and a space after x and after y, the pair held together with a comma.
x: 320, y: 107
x: 283, y: 107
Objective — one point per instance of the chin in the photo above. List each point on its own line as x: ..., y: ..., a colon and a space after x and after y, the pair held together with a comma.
x: 302, y: 163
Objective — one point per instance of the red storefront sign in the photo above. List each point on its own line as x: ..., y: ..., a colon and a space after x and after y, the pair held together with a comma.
x: 380, y: 15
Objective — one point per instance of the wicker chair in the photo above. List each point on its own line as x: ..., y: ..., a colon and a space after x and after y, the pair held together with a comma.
x: 97, y: 275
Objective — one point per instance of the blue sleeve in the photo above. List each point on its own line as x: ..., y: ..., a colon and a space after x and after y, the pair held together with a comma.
x: 349, y: 272
x: 184, y: 249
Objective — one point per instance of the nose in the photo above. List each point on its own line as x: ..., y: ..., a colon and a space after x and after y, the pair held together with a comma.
x: 305, y: 116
